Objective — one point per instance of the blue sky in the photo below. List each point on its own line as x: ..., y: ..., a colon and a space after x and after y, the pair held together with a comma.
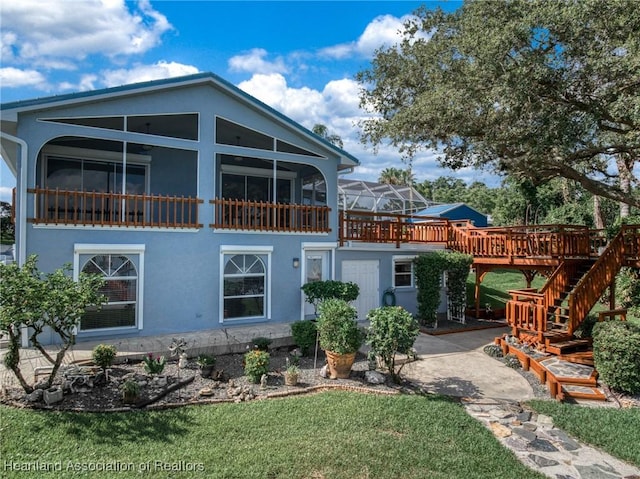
x: 298, y: 56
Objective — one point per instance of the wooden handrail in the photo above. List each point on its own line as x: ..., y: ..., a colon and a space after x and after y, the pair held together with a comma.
x: 264, y: 216
x: 114, y: 209
x: 591, y: 286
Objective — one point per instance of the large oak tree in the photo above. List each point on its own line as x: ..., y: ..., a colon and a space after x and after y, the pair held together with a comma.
x: 533, y: 89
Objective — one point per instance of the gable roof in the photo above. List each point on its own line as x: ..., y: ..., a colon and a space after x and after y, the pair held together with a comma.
x: 439, y: 210
x: 10, y: 110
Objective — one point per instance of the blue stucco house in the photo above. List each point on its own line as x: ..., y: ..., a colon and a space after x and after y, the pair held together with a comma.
x: 456, y: 211
x: 201, y: 206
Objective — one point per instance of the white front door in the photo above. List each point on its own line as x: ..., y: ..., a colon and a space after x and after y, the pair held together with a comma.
x: 365, y: 273
x: 316, y: 268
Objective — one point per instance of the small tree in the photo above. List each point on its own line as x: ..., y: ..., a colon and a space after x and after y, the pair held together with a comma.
x: 318, y: 291
x: 392, y: 330
x: 53, y: 301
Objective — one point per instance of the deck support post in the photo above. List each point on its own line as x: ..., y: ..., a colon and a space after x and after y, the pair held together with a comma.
x: 612, y: 294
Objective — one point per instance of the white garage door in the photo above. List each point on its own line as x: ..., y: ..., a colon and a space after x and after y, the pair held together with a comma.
x: 365, y: 273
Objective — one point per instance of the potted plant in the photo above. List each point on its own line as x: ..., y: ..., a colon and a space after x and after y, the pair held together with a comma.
x: 340, y: 336
x: 291, y: 375
x: 130, y: 391
x: 206, y: 363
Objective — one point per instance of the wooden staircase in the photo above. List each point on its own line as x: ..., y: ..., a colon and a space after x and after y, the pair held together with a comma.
x: 548, y: 319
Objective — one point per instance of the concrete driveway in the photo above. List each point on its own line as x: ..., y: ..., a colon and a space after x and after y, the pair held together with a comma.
x: 455, y: 365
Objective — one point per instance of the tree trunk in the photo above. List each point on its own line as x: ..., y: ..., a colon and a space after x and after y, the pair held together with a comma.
x: 597, y: 213
x: 625, y: 185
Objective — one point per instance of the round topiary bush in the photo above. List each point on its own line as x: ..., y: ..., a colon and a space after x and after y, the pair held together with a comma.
x: 616, y: 354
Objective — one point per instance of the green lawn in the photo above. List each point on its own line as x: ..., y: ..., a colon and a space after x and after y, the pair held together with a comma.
x: 495, y: 286
x: 329, y: 435
x: 616, y: 431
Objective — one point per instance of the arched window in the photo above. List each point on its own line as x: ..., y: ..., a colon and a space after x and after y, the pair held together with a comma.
x: 244, y: 286
x: 120, y: 288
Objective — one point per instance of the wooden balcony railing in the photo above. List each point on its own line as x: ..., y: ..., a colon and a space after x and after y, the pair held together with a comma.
x: 114, y: 209
x: 382, y: 228
x: 262, y: 216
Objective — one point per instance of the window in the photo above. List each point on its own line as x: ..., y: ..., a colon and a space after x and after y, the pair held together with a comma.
x: 244, y: 288
x: 120, y: 288
x: 403, y: 273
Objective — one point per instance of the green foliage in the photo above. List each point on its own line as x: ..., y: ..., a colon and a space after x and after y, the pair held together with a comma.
x: 392, y: 330
x: 130, y: 388
x: 616, y: 354
x: 256, y: 363
x: 261, y: 343
x: 493, y: 350
x: 52, y: 301
x: 304, y: 335
x: 338, y: 328
x: 319, y: 291
x: 154, y: 365
x: 104, y: 355
x: 585, y: 329
x: 554, y: 97
x: 512, y: 361
x: 205, y: 360
x: 429, y: 269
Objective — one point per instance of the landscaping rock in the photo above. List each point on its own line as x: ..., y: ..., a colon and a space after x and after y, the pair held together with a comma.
x: 374, y: 377
x: 35, y: 396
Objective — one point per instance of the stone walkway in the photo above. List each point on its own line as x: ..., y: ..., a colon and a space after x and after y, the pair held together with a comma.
x: 543, y: 447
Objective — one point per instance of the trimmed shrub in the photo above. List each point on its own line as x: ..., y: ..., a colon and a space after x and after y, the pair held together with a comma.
x: 104, y: 355
x: 393, y: 330
x: 256, y: 363
x: 616, y: 354
x: 319, y: 291
x: 585, y: 330
x: 304, y: 335
x: 338, y: 328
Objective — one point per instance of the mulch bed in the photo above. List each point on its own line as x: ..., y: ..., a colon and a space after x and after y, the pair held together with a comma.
x: 182, y: 386
x: 445, y: 326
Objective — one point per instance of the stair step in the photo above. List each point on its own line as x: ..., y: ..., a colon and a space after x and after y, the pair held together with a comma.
x: 563, y: 347
x: 556, y: 336
x: 578, y: 357
x: 576, y: 391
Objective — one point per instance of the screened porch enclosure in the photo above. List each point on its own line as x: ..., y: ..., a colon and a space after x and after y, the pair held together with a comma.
x: 97, y: 182
x: 267, y: 195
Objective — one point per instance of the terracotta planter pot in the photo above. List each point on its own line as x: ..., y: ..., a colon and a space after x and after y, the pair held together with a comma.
x: 340, y: 364
x: 290, y: 379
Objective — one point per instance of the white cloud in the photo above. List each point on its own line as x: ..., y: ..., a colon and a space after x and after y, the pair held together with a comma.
x: 49, y: 33
x: 382, y: 31
x: 13, y: 77
x: 6, y: 193
x: 141, y: 73
x: 254, y: 62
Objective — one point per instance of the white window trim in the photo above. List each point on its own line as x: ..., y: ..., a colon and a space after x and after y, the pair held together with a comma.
x: 252, y: 249
x: 402, y: 258
x: 137, y: 249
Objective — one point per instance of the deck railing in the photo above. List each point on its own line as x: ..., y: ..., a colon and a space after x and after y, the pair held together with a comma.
x: 549, y: 241
x: 391, y: 228
x: 263, y: 216
x: 114, y: 209
x: 589, y: 289
x: 526, y: 310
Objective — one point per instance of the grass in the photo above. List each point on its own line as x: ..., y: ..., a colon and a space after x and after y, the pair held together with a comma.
x: 612, y: 430
x: 329, y: 435
x: 496, y: 285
